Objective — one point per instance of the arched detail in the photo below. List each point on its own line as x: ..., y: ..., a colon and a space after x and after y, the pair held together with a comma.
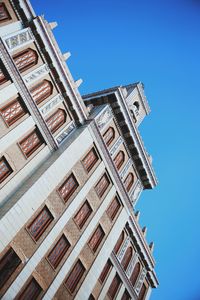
x: 127, y: 257
x: 119, y: 243
x: 128, y: 182
x: 137, y: 105
x: 135, y: 273
x: 55, y: 121
x: 42, y: 91
x: 119, y: 159
x: 4, y: 14
x: 25, y: 59
x: 142, y: 292
x: 109, y: 136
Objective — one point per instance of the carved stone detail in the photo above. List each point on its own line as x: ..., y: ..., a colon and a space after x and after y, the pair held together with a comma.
x: 103, y: 119
x: 65, y: 133
x: 140, y: 281
x: 116, y: 146
x: 123, y: 249
x: 36, y: 74
x: 49, y: 105
x: 19, y: 39
x: 136, y: 192
x: 125, y: 169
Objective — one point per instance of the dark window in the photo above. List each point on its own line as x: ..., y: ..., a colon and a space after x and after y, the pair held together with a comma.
x: 58, y: 252
x: 109, y: 136
x: 128, y: 182
x: 113, y: 208
x: 68, y: 187
x: 83, y: 214
x: 4, y: 14
x: 114, y: 287
x: 8, y: 264
x: 96, y: 238
x: 142, y: 292
x: 119, y: 160
x: 12, y: 111
x: 75, y: 276
x: 40, y: 223
x: 42, y: 91
x: 127, y: 257
x: 31, y: 143
x: 126, y: 296
x: 5, y: 169
x: 105, y: 271
x: 3, y: 77
x: 31, y: 291
x: 102, y: 185
x: 55, y: 121
x: 135, y: 273
x: 25, y: 59
x: 90, y: 160
x: 119, y: 243
x: 91, y: 297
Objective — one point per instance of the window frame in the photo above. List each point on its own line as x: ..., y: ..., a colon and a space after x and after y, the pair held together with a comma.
x: 86, y: 217
x: 77, y: 280
x: 102, y: 193
x: 69, y: 195
x: 36, y: 147
x: 61, y: 255
x: 10, y: 170
x: 114, y: 213
x: 99, y: 241
x: 88, y: 169
x: 15, y: 119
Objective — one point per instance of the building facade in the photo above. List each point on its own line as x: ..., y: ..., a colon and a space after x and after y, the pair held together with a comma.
x: 71, y: 171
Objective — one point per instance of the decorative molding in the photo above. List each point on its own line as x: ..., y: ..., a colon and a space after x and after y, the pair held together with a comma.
x: 123, y: 249
x: 62, y: 136
x: 140, y: 281
x: 103, y: 119
x: 125, y: 169
x: 137, y: 190
x: 36, y: 74
x: 50, y: 104
x: 132, y: 265
x: 15, y: 41
x: 116, y: 145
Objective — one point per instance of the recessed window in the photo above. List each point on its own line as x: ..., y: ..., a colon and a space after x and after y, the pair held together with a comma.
x: 83, y: 214
x: 8, y: 264
x: 127, y: 257
x: 128, y: 182
x: 96, y: 238
x: 55, y: 121
x: 105, y: 271
x: 58, y: 252
x: 119, y: 242
x: 114, y: 287
x: 25, y: 59
x: 126, y: 296
x: 135, y: 273
x: 12, y: 111
x: 42, y: 91
x: 102, y: 185
x: 68, y: 187
x: 5, y: 169
x: 75, y: 276
x: 31, y: 143
x: 142, y: 292
x: 119, y: 159
x: 113, y: 208
x: 40, y: 223
x: 4, y: 14
x: 90, y: 160
x: 109, y: 136
x: 3, y: 75
x: 31, y: 291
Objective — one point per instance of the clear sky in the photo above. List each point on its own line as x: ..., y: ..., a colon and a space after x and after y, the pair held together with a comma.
x: 157, y: 42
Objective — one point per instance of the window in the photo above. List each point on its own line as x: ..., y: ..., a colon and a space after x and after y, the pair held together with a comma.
x: 58, y: 252
x: 75, y: 276
x: 119, y: 160
x: 31, y: 143
x: 135, y: 273
x: 105, y: 271
x: 126, y: 296
x: 113, y: 208
x: 114, y: 287
x: 8, y: 264
x: 102, y: 185
x: 127, y: 257
x: 42, y: 91
x: 25, y: 59
x: 4, y: 15
x: 119, y: 243
x: 68, y: 187
x: 5, y: 169
x: 12, y: 112
x: 40, y: 223
x: 109, y: 136
x: 128, y: 182
x: 2, y: 77
x: 83, y: 214
x: 31, y: 291
x: 91, y: 297
x: 96, y: 238
x: 90, y: 160
x: 142, y: 292
x: 55, y: 121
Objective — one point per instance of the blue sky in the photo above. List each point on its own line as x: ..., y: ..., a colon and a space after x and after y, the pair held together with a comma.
x: 156, y: 42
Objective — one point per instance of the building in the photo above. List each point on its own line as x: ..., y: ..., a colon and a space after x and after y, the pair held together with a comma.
x: 71, y: 171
